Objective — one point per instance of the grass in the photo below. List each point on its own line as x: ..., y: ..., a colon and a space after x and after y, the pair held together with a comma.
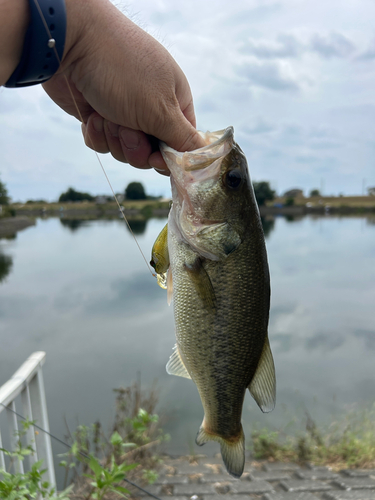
x: 346, y: 443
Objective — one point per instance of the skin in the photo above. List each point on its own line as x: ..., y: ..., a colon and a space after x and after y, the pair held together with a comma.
x: 126, y: 84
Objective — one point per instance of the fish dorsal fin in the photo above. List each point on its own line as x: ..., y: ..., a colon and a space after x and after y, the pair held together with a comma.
x: 263, y: 385
x: 175, y: 365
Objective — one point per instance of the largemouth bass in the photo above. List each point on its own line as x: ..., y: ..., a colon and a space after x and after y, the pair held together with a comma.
x: 214, y: 254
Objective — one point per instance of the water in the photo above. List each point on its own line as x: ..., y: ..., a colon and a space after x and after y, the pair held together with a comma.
x: 81, y: 292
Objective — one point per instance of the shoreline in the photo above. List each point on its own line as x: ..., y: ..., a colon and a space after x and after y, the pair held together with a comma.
x: 9, y: 226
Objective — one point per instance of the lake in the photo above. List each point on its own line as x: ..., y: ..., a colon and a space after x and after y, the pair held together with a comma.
x: 80, y: 291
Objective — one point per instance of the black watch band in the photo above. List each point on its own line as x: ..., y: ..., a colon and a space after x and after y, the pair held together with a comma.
x: 44, y: 44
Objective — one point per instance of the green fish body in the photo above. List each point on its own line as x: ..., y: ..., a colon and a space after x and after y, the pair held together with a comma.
x: 219, y: 280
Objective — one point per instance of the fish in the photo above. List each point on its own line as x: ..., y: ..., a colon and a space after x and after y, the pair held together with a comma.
x: 211, y: 257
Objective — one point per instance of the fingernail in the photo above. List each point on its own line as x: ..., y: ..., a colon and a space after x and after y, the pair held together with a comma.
x: 130, y: 138
x: 98, y: 124
x: 113, y: 129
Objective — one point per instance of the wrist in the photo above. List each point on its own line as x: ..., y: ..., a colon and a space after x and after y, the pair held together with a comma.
x: 15, y: 17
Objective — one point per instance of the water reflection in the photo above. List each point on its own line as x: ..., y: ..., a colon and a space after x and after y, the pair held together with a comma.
x: 6, y: 264
x: 268, y: 224
x: 138, y: 226
x: 73, y: 224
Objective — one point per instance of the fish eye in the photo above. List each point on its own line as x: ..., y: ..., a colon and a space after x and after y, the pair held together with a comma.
x: 233, y: 178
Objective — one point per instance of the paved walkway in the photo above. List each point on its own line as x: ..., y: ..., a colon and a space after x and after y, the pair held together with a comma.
x: 206, y: 479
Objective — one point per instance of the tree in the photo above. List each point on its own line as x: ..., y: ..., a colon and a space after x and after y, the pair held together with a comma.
x: 314, y: 192
x: 4, y: 198
x: 135, y: 191
x: 263, y: 192
x: 73, y: 195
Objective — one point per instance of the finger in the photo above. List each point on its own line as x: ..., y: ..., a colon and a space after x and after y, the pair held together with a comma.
x: 157, y: 162
x: 135, y: 146
x: 111, y: 131
x: 180, y: 134
x: 94, y: 135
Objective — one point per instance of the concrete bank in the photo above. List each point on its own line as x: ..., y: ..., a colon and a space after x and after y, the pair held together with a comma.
x: 10, y: 225
x: 205, y: 479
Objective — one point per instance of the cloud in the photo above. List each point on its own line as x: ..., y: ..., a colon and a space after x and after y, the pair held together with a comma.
x: 368, y: 54
x: 261, y: 126
x: 286, y: 46
x: 267, y: 75
x: 333, y: 45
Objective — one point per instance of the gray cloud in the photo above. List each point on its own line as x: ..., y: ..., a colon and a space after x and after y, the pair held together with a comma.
x: 261, y: 126
x: 286, y: 46
x: 267, y: 75
x: 333, y: 45
x: 368, y: 54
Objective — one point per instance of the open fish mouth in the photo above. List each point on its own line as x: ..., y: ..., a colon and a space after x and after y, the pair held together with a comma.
x: 218, y: 145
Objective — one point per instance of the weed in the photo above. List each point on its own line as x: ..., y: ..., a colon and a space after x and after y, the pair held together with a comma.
x: 347, y: 443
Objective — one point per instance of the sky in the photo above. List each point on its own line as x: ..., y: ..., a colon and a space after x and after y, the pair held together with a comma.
x: 295, y: 78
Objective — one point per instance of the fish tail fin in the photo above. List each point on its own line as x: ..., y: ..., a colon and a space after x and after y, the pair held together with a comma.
x: 232, y: 450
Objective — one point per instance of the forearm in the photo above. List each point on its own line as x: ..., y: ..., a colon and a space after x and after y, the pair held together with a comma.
x: 14, y: 19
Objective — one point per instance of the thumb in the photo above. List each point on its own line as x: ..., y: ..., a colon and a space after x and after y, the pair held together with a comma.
x: 181, y: 135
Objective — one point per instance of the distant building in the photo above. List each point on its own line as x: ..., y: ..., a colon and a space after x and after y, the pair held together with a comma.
x: 294, y: 193
x: 371, y: 191
x: 102, y: 199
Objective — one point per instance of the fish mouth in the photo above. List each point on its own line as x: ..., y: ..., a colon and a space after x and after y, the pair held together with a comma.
x: 218, y: 144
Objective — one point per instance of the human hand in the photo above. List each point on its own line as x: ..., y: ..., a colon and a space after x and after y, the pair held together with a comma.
x: 127, y: 87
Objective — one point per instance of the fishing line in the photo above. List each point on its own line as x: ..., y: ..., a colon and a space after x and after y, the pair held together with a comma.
x: 68, y: 446
x: 52, y: 45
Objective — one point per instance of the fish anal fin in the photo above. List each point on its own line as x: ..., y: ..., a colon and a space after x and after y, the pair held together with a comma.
x: 263, y: 385
x: 176, y: 366
x: 232, y: 451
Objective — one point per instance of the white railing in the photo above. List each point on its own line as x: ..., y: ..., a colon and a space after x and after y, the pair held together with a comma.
x: 28, y: 382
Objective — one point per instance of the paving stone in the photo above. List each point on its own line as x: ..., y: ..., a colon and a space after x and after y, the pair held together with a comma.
x: 217, y: 478
x: 280, y: 466
x: 355, y: 483
x: 290, y: 496
x: 154, y: 489
x: 359, y: 472
x: 269, y: 476
x: 186, y: 468
x: 316, y: 474
x: 172, y: 480
x: 231, y: 497
x: 211, y: 460
x: 193, y: 489
x: 321, y: 468
x: 172, y: 498
x: 298, y: 485
x: 257, y: 486
x: 349, y: 495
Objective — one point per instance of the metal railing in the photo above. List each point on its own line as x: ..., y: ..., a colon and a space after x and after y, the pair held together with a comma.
x: 28, y: 382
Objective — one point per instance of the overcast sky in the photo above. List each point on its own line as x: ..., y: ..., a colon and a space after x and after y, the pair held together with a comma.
x: 296, y: 79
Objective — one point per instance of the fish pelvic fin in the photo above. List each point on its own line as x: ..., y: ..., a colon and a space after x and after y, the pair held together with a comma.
x: 232, y: 450
x: 263, y: 385
x: 176, y: 366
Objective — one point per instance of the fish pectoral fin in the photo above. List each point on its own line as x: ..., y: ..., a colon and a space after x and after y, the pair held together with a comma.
x: 263, y: 384
x: 219, y: 240
x: 175, y: 365
x: 201, y: 281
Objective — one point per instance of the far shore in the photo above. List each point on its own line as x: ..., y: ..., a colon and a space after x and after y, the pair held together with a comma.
x: 157, y: 208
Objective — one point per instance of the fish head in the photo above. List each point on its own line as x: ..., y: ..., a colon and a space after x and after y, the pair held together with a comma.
x: 211, y: 192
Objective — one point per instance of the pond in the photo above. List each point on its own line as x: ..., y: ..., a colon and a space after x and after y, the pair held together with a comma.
x: 80, y: 291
